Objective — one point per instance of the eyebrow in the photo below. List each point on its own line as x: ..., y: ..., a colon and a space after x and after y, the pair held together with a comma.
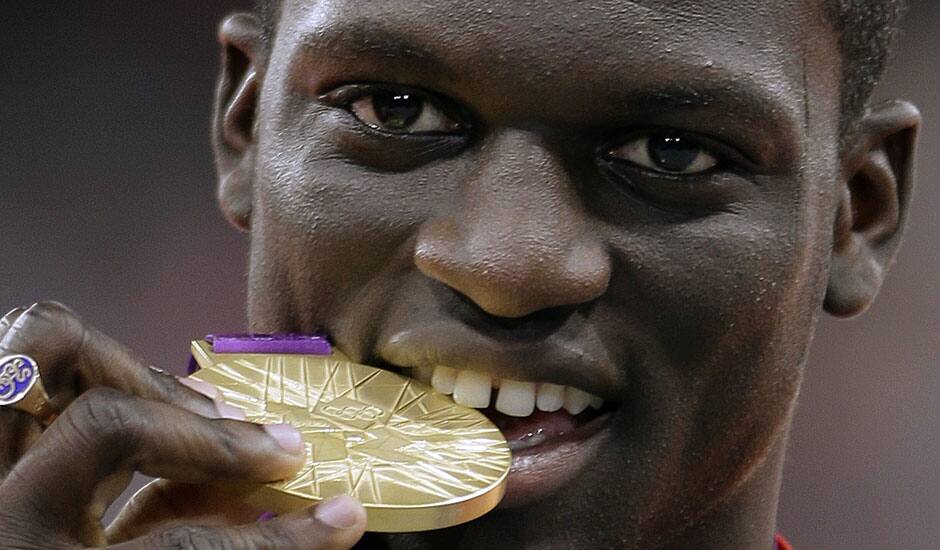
x: 724, y: 90
x: 351, y: 41
x: 360, y: 41
x: 670, y: 97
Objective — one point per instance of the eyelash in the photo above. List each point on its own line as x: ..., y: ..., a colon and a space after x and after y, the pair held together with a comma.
x: 346, y: 96
x: 641, y: 143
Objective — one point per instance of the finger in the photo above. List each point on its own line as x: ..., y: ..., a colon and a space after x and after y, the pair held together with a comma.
x: 74, y: 357
x: 7, y: 321
x: 163, y: 504
x: 18, y: 430
x: 336, y: 524
x: 106, y: 434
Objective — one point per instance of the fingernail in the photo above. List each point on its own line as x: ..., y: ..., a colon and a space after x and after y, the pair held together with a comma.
x: 342, y: 512
x: 286, y: 436
x: 228, y: 411
x: 200, y: 387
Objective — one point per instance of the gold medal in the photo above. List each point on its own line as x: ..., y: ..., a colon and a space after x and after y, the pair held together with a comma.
x: 415, y: 459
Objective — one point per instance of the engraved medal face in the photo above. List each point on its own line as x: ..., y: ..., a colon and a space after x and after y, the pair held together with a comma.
x: 17, y: 377
x: 414, y: 458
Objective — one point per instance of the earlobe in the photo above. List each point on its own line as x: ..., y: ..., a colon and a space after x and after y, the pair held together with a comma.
x: 242, y: 38
x: 875, y: 193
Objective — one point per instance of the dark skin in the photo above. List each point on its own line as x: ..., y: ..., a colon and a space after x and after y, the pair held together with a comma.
x: 521, y: 231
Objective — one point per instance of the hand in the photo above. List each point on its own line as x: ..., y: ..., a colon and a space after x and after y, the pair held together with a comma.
x: 118, y: 416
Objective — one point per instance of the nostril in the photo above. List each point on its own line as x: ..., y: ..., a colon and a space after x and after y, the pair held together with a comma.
x: 533, y: 326
x: 514, y: 297
x: 512, y: 273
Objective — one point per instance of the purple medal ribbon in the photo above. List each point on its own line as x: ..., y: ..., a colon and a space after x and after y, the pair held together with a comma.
x: 282, y: 343
x: 286, y: 343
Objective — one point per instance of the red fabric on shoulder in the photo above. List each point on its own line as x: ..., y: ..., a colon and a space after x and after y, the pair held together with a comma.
x: 782, y: 543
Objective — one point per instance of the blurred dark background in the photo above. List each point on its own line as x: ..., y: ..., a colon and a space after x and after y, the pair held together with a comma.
x: 107, y: 204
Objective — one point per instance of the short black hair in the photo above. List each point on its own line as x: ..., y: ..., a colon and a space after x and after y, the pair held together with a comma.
x: 866, y: 28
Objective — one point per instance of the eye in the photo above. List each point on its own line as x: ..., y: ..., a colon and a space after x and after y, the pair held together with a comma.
x: 402, y: 113
x: 666, y: 153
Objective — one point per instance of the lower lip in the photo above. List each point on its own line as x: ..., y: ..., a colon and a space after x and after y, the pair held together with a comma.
x: 540, y: 470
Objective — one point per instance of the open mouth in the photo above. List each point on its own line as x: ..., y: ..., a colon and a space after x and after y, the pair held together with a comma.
x: 529, y: 414
x: 553, y: 431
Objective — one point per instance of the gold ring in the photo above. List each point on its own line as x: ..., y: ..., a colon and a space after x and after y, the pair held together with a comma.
x: 21, y: 388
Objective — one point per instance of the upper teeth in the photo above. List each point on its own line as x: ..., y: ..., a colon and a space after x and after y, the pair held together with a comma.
x: 514, y: 398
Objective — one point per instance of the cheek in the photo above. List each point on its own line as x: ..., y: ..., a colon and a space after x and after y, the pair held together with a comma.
x: 309, y: 181
x: 324, y: 226
x: 726, y: 305
x: 726, y: 284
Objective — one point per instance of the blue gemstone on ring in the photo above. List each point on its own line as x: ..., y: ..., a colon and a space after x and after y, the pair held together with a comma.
x: 18, y: 374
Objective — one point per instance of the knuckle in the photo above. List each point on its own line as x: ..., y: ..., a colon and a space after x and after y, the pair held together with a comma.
x: 21, y: 533
x: 49, y: 327
x: 52, y: 308
x: 7, y: 319
x: 274, y: 534
x: 229, y: 448
x: 51, y: 316
x: 104, y: 416
x: 204, y: 538
x: 192, y: 538
x: 167, y: 389
x: 18, y: 532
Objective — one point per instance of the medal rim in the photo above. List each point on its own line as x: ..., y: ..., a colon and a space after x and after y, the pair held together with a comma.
x: 382, y: 517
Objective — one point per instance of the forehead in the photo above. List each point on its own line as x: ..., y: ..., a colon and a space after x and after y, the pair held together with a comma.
x: 752, y: 57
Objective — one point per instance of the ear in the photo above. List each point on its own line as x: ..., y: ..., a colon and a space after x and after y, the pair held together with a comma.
x: 875, y: 191
x: 233, y: 130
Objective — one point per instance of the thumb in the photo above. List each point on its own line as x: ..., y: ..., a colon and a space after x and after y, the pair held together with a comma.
x: 336, y: 524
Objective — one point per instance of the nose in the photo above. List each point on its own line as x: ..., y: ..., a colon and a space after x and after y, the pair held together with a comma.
x: 518, y: 240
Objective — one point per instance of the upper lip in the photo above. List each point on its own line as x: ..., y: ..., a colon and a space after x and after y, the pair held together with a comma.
x: 551, y: 360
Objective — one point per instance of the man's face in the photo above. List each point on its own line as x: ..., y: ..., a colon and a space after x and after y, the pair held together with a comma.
x: 634, y: 199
